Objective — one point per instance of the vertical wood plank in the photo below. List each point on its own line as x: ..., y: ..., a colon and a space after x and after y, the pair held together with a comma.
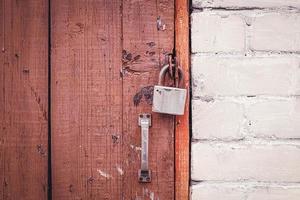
x: 182, y: 134
x: 148, y: 36
x: 86, y: 99
x: 23, y: 99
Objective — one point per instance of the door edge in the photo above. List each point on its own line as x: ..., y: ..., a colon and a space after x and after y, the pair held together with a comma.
x: 182, y: 125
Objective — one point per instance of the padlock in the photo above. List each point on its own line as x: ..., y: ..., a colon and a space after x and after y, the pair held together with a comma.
x: 169, y: 100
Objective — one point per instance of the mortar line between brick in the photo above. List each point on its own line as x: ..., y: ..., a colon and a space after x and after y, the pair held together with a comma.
x: 259, y: 10
x: 249, y: 54
x: 254, y: 141
x: 245, y: 98
x: 245, y: 183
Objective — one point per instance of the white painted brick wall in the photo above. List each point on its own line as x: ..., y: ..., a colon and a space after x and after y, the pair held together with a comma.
x: 245, y: 100
x: 227, y: 33
x: 246, y: 3
x: 243, y: 118
x: 236, y: 31
x: 214, y: 120
x: 275, y: 32
x: 245, y: 75
x: 252, y: 191
x: 274, y: 118
x: 264, y: 161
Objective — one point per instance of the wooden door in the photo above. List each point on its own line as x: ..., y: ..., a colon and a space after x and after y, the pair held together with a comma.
x: 105, y: 59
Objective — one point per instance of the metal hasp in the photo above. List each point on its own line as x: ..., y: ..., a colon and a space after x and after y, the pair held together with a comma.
x: 144, y: 173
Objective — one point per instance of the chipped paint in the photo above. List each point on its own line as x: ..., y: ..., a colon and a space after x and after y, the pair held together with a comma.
x: 160, y: 25
x: 115, y: 138
x: 136, y: 148
x: 41, y: 150
x: 151, y: 44
x: 120, y: 170
x: 149, y: 193
x: 104, y: 174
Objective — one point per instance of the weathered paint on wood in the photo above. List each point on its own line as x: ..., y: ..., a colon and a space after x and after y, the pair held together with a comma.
x: 148, y: 36
x: 99, y: 72
x: 182, y: 134
x: 86, y: 99
x: 23, y: 99
x: 106, y: 56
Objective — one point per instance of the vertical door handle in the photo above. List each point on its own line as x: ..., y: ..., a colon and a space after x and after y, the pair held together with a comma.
x: 144, y: 173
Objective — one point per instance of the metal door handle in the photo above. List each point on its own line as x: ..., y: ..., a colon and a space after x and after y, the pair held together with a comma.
x: 144, y: 172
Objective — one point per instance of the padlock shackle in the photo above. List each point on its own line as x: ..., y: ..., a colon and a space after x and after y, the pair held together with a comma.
x: 162, y: 74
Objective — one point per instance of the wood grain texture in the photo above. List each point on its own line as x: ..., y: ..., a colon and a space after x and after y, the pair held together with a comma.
x: 105, y: 56
x: 23, y: 99
x: 182, y: 134
x: 148, y: 36
x: 86, y: 99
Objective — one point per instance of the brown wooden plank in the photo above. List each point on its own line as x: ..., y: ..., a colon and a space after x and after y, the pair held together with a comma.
x: 86, y: 99
x: 148, y: 36
x: 182, y: 135
x: 23, y: 99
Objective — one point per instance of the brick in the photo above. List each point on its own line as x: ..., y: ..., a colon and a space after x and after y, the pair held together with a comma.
x: 243, y: 192
x: 214, y: 76
x: 275, y: 194
x: 275, y: 32
x: 275, y: 118
x: 245, y: 3
x: 232, y: 162
x: 216, y: 192
x: 217, y: 33
x: 217, y: 120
